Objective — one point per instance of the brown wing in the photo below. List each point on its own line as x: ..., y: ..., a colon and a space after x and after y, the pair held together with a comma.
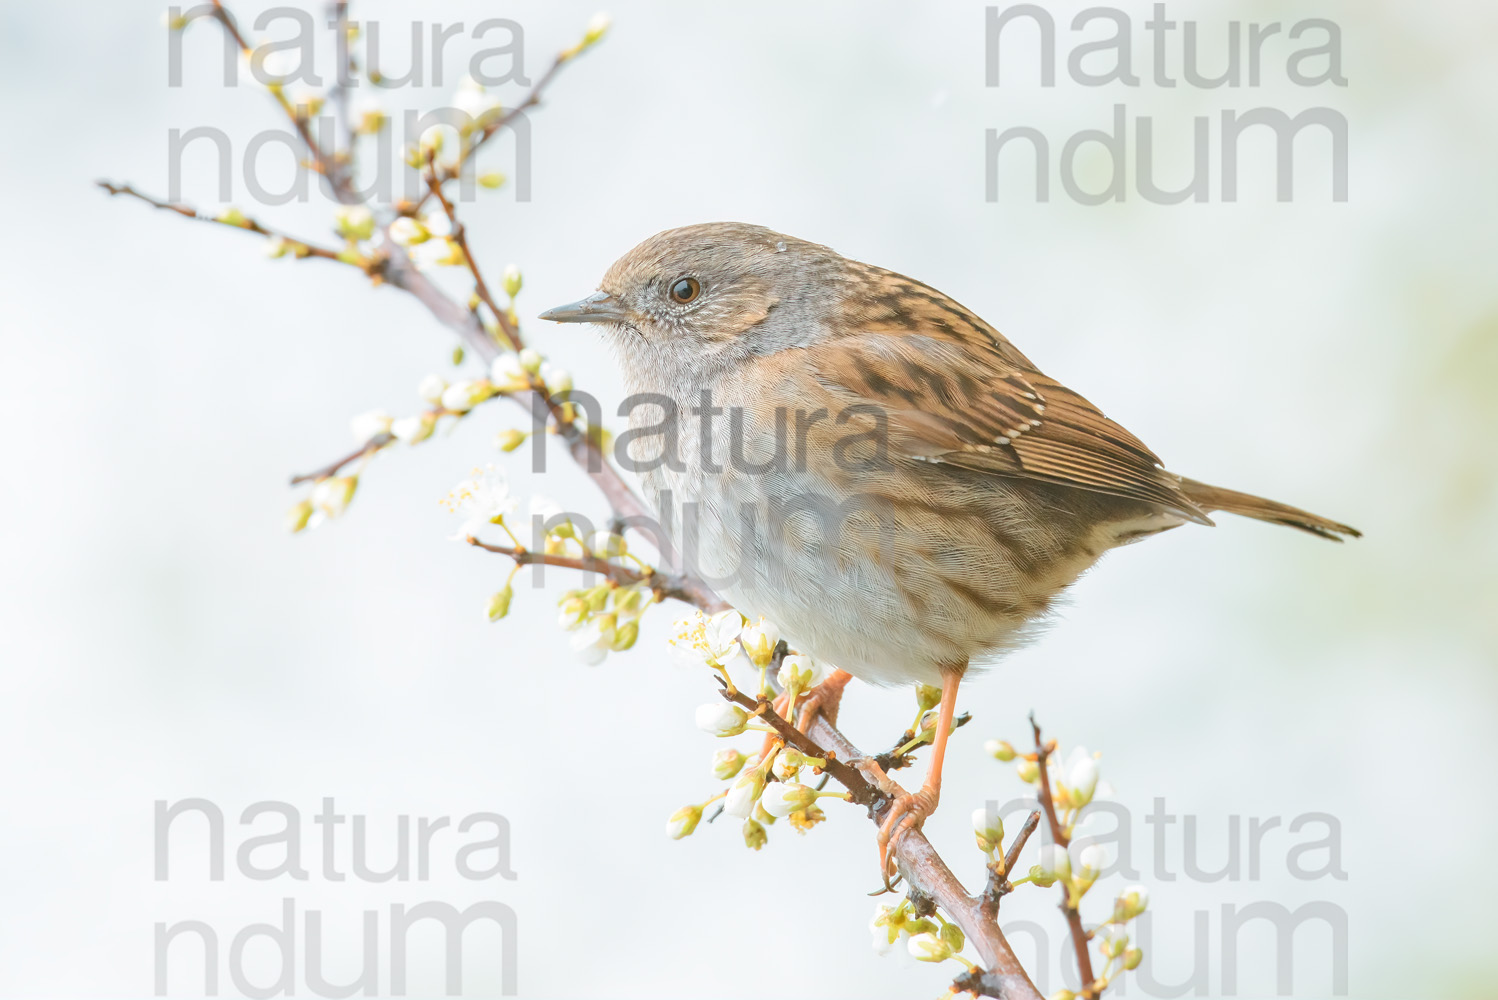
x: 954, y: 391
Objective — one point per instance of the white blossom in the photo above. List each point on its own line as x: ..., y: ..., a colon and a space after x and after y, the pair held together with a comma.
x: 482, y: 500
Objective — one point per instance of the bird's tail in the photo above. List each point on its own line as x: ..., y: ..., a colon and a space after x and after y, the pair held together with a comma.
x: 1210, y: 498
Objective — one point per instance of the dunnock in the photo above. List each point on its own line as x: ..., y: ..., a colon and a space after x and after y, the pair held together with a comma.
x: 858, y: 458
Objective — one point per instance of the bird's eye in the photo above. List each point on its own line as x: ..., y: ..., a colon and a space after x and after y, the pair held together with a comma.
x: 684, y: 290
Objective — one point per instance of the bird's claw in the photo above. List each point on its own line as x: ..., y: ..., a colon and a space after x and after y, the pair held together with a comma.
x: 907, y: 812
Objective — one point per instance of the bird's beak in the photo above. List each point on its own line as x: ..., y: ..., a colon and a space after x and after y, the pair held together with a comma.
x: 600, y: 307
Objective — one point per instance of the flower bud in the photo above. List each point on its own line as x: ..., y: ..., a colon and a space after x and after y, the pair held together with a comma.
x: 1114, y: 941
x: 929, y: 947
x: 277, y: 247
x: 598, y: 26
x: 354, y: 222
x: 745, y: 792
x: 625, y: 636
x: 508, y: 440
x: 1132, y: 958
x: 1093, y: 859
x: 513, y: 281
x: 1055, y: 863
x: 1063, y: 995
x: 785, y: 797
x: 927, y: 696
x: 232, y: 216
x: 799, y: 672
x: 607, y: 545
x: 759, y: 642
x: 999, y: 750
x: 332, y: 496
x: 367, y: 426
x: 1028, y: 771
x: 722, y: 719
x: 754, y: 834
x: 784, y: 766
x: 1131, y: 902
x: 574, y: 611
x: 413, y: 430
x: 431, y: 389
x: 683, y: 821
x: 432, y: 141
x: 530, y: 360
x: 370, y: 118
x: 1081, y: 781
x: 492, y: 181
x: 558, y: 380
x: 460, y: 397
x: 988, y: 829
x: 727, y: 763
x: 298, y: 516
x: 507, y: 370
x: 499, y: 604
x: 953, y: 937
x: 408, y: 232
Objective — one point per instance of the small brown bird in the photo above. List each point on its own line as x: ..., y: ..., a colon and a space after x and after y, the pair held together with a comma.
x: 864, y: 462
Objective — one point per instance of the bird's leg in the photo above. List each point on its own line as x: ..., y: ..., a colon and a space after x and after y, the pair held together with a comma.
x: 825, y: 699
x: 908, y: 812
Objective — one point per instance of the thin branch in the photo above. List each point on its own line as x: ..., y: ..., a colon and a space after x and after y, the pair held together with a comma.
x: 248, y: 225
x: 1072, y: 913
x: 925, y: 871
x: 368, y: 448
x: 999, y: 885
x: 460, y: 236
x: 665, y: 585
x: 531, y: 99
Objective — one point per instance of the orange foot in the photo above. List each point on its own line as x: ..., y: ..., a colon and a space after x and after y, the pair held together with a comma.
x: 906, y: 813
x: 825, y: 699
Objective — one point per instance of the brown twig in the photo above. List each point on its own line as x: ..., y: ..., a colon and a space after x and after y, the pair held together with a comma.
x: 1073, y: 915
x: 460, y: 237
x: 999, y: 885
x: 531, y: 99
x: 247, y: 225
x: 677, y: 587
x: 368, y: 448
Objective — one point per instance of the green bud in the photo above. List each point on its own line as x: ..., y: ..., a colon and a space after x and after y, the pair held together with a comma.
x: 298, y: 516
x: 999, y: 750
x: 683, y: 821
x: 499, y: 604
x: 509, y: 440
x: 458, y: 354
x: 1132, y: 958
x: 1029, y: 771
x: 952, y: 935
x: 625, y: 636
x: 927, y: 696
x: 493, y: 181
x: 754, y: 834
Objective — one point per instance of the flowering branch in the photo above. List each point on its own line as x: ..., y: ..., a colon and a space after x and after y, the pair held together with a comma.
x: 519, y: 373
x: 680, y: 587
x: 233, y: 219
x: 1070, y: 902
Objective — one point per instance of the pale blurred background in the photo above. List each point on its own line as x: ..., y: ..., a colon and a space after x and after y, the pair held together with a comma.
x: 162, y: 636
